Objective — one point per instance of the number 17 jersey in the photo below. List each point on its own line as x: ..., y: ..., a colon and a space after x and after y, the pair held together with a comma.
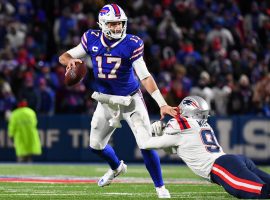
x: 112, y: 63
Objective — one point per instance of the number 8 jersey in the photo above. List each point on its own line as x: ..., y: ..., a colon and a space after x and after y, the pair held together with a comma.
x: 112, y: 61
x: 196, y: 143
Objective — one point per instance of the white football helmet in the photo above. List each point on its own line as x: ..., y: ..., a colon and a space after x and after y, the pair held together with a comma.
x: 194, y: 107
x: 112, y: 13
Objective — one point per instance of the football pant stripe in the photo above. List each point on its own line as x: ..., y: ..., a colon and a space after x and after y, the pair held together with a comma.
x: 235, y: 182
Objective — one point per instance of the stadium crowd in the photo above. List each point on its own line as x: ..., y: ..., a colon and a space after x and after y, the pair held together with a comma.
x: 219, y: 50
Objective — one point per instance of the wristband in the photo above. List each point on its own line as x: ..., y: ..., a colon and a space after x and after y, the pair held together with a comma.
x: 159, y: 98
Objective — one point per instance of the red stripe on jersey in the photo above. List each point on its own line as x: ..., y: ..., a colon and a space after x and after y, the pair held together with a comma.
x: 138, y: 49
x: 183, y: 124
x: 136, y: 55
x: 186, y: 122
x: 235, y: 182
x: 179, y: 123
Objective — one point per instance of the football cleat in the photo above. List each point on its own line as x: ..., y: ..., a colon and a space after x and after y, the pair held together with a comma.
x: 107, y: 178
x: 163, y: 193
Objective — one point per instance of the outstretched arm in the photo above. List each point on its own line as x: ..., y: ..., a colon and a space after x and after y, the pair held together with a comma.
x: 162, y: 140
x: 150, y: 85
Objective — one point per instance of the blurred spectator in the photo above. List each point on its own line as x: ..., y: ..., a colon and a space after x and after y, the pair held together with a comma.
x: 203, y: 88
x: 47, y: 74
x: 254, y: 19
x: 261, y: 97
x: 190, y: 58
x: 179, y: 87
x: 240, y: 98
x: 22, y: 128
x: 168, y: 31
x: 6, y: 7
x: 7, y: 100
x: 15, y: 35
x: 29, y: 92
x: 64, y: 26
x: 221, y: 33
x: 47, y: 98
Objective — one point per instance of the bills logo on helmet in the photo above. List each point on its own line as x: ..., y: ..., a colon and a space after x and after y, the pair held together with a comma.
x: 104, y: 11
x: 190, y: 103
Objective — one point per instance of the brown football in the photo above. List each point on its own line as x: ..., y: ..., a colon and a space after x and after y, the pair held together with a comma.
x: 75, y: 75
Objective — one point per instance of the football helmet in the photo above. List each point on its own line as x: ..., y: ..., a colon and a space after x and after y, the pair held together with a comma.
x: 194, y: 107
x: 112, y: 13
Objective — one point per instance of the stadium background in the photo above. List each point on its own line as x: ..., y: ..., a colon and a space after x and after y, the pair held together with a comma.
x: 219, y: 50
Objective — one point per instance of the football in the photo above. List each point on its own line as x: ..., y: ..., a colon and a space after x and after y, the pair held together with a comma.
x: 75, y: 75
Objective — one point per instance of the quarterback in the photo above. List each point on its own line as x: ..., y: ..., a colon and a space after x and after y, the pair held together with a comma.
x: 192, y: 138
x: 116, y: 57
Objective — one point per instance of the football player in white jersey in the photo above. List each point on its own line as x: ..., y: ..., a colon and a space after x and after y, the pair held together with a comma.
x: 192, y: 138
x: 115, y: 56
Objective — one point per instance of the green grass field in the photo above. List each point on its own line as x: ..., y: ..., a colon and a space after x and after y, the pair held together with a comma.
x: 136, y: 184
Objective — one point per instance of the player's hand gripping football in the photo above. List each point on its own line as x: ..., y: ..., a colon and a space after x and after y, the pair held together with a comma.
x: 167, y: 110
x: 72, y: 64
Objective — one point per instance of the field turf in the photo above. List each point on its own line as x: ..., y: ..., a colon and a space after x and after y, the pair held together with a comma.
x: 48, y: 181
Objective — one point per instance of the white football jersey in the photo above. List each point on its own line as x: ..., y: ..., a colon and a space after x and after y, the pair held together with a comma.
x: 197, y: 145
x: 195, y: 142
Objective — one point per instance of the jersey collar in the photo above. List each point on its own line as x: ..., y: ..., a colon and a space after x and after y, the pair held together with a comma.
x: 113, y: 45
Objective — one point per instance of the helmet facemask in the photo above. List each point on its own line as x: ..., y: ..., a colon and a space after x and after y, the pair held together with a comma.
x: 112, y: 13
x: 109, y: 32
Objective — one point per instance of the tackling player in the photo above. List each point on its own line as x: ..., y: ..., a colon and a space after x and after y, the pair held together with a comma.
x: 192, y: 138
x: 115, y: 55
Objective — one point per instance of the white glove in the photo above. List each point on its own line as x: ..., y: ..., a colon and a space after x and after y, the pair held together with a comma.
x: 157, y: 128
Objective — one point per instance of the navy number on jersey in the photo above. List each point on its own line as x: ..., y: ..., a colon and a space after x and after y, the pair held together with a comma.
x: 108, y: 60
x: 209, y: 140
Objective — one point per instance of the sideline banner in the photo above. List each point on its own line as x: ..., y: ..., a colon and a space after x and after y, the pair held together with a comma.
x: 65, y: 138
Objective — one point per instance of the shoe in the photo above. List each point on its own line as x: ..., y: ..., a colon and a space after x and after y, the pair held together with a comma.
x: 107, y: 178
x: 163, y: 193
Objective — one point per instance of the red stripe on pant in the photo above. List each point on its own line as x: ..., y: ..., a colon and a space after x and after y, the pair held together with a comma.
x: 243, y: 181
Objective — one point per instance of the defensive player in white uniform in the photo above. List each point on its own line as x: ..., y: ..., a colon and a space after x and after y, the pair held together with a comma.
x: 192, y: 138
x: 115, y: 55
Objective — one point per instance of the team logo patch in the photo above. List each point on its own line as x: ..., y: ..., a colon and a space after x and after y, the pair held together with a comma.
x: 104, y: 11
x: 190, y: 103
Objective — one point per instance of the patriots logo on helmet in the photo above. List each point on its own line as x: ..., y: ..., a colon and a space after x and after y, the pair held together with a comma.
x: 104, y: 11
x: 190, y: 103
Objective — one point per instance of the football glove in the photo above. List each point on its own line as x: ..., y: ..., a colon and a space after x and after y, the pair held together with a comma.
x: 157, y: 128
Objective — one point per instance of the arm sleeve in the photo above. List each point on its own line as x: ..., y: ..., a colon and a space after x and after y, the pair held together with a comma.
x: 164, y: 141
x: 140, y: 68
x: 77, y: 52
